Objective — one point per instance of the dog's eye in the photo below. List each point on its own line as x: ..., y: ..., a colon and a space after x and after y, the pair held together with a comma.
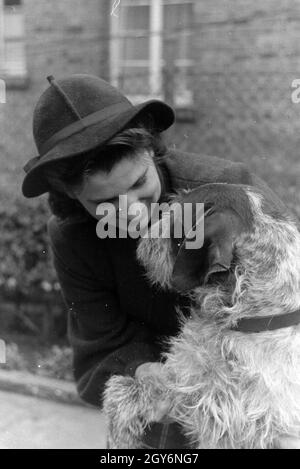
x: 140, y: 182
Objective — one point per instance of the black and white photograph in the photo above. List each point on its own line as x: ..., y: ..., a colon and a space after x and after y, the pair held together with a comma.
x: 150, y: 227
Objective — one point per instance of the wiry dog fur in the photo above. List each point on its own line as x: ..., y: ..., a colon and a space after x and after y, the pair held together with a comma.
x: 228, y: 389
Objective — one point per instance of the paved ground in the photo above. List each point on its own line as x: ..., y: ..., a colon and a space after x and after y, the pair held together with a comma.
x: 28, y: 422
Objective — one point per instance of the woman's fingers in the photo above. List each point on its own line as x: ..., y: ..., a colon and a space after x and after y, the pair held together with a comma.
x: 148, y: 369
x: 162, y: 406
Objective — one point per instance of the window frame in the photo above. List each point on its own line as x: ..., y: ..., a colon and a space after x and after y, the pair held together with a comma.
x: 156, y: 62
x: 11, y: 78
x: 2, y: 43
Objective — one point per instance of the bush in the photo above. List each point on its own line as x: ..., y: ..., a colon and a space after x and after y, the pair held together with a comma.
x: 14, y: 359
x: 57, y: 363
x: 25, y: 256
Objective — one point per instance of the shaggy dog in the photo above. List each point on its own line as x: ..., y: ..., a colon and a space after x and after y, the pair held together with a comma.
x: 233, y: 371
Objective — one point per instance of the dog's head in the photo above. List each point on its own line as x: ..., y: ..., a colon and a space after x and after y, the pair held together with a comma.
x: 245, y: 229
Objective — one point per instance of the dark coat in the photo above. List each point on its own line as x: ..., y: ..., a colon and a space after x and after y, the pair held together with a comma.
x: 116, y: 320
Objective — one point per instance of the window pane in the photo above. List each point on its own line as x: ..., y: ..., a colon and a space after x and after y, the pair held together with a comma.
x: 178, y: 20
x: 12, y: 3
x: 135, y: 48
x: 178, y: 15
x: 135, y: 18
x: 134, y: 80
x: 15, y: 58
x: 13, y: 24
x: 134, y: 45
x: 183, y: 86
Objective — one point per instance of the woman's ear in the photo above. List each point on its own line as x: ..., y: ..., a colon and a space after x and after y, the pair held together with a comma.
x: 192, y: 267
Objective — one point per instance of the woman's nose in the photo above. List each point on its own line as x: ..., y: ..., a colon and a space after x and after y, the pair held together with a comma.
x: 132, y: 198
x: 138, y: 208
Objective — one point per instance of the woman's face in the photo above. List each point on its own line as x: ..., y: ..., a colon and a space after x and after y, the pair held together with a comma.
x: 137, y: 178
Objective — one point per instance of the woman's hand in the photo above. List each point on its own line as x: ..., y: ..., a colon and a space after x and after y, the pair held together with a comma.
x: 162, y: 407
x: 148, y: 369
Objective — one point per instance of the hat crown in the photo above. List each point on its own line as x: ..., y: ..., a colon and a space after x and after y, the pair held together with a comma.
x: 84, y: 95
x: 79, y: 113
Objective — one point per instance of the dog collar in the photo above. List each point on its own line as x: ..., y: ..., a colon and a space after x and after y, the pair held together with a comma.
x: 267, y: 323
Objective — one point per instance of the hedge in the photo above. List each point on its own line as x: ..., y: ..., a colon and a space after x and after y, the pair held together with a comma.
x: 26, y: 271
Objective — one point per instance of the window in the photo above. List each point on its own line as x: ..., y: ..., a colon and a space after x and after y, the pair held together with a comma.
x: 12, y: 39
x: 151, y: 50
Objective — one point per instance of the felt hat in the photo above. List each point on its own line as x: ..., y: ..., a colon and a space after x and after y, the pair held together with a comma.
x: 76, y: 114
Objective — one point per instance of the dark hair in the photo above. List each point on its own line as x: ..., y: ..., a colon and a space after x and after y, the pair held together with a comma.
x: 69, y: 175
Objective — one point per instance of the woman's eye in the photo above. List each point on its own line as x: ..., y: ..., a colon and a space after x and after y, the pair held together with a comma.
x: 110, y: 201
x: 140, y: 182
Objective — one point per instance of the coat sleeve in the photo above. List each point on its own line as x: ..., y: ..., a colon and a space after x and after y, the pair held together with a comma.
x: 104, y: 340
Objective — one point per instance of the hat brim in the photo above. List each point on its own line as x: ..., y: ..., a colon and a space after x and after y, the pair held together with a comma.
x: 35, y: 183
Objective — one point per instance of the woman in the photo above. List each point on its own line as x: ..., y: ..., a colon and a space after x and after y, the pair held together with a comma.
x: 94, y: 145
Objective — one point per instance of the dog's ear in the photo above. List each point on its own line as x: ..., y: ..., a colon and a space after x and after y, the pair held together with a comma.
x: 196, y: 267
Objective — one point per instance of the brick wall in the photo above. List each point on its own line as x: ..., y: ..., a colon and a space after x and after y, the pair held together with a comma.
x: 62, y: 37
x: 247, y: 55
